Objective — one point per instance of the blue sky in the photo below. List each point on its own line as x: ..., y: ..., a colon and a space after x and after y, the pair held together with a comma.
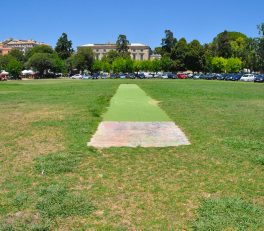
x: 143, y: 21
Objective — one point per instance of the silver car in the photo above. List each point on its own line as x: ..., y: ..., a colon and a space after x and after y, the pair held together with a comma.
x: 248, y: 78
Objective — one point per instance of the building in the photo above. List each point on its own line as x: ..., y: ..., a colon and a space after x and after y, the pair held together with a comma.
x: 137, y: 51
x: 4, y: 50
x: 155, y: 56
x: 22, y: 45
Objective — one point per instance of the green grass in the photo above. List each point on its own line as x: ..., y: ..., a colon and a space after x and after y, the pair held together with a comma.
x: 51, y: 180
x: 55, y: 200
x: 130, y: 103
x: 229, y: 214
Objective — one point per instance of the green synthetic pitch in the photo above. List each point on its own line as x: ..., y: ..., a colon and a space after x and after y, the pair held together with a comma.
x: 131, y: 103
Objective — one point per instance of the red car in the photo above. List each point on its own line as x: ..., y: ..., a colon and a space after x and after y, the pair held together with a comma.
x: 182, y: 76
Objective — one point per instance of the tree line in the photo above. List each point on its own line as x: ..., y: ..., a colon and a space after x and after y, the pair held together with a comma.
x: 228, y: 52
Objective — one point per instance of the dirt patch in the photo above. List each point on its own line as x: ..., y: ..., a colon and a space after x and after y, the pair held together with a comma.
x: 22, y: 141
x: 39, y: 142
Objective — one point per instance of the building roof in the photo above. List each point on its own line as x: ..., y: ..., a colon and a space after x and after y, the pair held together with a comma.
x: 113, y: 44
x: 21, y: 42
x: 137, y: 44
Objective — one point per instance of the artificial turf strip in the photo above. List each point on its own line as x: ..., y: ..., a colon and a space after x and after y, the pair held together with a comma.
x: 131, y: 103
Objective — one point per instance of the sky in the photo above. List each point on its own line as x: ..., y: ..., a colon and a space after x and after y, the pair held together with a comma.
x: 142, y: 21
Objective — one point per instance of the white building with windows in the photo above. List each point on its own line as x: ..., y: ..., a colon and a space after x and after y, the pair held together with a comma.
x: 20, y: 44
x: 137, y: 51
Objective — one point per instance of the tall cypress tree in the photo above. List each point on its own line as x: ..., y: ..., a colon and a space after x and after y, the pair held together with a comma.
x: 64, y: 47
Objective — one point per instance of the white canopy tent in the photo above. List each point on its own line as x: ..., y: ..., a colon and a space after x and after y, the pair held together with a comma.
x: 28, y: 72
x: 4, y: 73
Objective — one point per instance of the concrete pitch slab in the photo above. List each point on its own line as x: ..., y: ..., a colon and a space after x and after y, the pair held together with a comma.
x: 134, y: 134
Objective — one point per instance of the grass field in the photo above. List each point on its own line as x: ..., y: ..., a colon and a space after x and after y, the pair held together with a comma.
x: 51, y: 180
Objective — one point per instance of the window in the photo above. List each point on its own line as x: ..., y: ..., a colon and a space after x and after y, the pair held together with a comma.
x: 141, y: 56
x: 134, y: 56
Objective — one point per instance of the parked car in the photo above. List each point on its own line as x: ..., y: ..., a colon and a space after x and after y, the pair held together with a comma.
x: 157, y: 75
x: 233, y: 77
x: 148, y: 75
x: 248, y: 78
x: 131, y: 76
x: 236, y: 77
x: 210, y: 76
x: 140, y: 75
x: 172, y: 76
x: 103, y: 76
x: 196, y: 76
x: 77, y: 76
x: 182, y: 76
x: 165, y: 75
x: 221, y: 76
x: 168, y: 75
x: 95, y: 76
x: 190, y: 76
x: 113, y: 76
x: 259, y: 79
x: 122, y: 76
x: 87, y: 77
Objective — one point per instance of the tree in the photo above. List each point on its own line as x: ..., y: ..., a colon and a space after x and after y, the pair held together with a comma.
x: 194, y: 59
x: 261, y: 46
x: 83, y: 59
x: 178, y: 54
x: 168, y: 42
x: 39, y: 49
x: 97, y: 66
x: 224, y: 46
x: 208, y: 56
x: 238, y: 47
x: 4, y: 60
x: 166, y: 63
x: 122, y: 44
x: 228, y: 44
x: 156, y: 65
x: 261, y: 29
x: 58, y: 65
x: 14, y: 68
x: 41, y: 62
x: 158, y: 50
x: 18, y: 55
x: 233, y: 65
x: 146, y: 65
x: 219, y: 64
x: 137, y: 66
x: 122, y: 65
x: 111, y: 56
x: 252, y: 58
x: 106, y: 66
x: 64, y: 47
